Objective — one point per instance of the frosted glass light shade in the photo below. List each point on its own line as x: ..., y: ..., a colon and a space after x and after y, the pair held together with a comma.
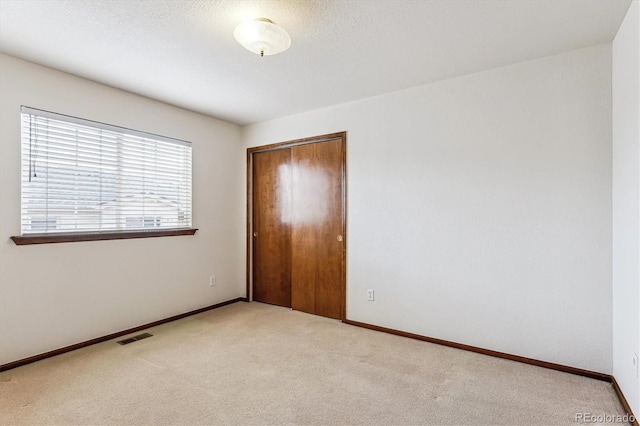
x: 262, y: 36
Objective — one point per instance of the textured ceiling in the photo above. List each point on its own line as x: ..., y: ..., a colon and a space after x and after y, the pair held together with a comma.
x: 184, y: 53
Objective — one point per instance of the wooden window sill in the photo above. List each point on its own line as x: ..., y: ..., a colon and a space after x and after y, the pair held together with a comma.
x: 97, y: 236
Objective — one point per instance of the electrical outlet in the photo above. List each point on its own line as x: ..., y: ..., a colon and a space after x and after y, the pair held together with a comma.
x: 635, y: 363
x: 370, y: 295
x: 212, y: 280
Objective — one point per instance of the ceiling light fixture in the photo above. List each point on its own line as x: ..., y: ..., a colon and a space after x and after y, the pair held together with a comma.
x: 262, y: 36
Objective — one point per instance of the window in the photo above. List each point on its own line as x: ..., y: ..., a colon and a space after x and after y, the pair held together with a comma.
x: 81, y: 176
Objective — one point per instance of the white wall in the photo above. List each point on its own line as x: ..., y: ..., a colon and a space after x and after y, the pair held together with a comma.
x: 626, y: 204
x: 479, y: 208
x: 55, y: 295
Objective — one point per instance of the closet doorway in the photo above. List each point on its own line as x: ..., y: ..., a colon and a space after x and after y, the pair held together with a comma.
x: 296, y: 224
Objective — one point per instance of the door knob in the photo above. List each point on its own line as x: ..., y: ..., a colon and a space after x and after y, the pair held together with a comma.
x: 255, y: 234
x: 339, y: 238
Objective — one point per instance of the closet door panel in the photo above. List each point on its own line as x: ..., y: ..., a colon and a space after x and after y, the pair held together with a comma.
x: 271, y: 227
x: 317, y: 227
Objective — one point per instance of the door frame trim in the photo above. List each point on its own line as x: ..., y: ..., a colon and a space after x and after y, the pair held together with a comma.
x: 249, y: 240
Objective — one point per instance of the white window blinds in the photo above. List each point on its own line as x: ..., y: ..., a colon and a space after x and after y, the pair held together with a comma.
x: 84, y: 176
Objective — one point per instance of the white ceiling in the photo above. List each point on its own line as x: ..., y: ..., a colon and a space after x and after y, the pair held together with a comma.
x: 184, y: 53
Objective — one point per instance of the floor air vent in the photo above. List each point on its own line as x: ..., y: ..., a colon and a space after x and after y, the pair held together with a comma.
x: 134, y: 338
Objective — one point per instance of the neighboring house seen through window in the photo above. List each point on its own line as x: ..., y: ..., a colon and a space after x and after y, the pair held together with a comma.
x: 82, y: 176
x: 143, y: 222
x: 41, y: 225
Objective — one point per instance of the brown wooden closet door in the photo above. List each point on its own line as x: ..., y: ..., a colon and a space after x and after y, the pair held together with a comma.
x: 271, y: 227
x: 317, y: 227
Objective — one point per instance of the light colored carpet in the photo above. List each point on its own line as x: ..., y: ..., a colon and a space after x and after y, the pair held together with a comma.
x: 260, y: 364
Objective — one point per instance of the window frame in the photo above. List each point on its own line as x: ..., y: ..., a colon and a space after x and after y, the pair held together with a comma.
x: 29, y: 239
x: 96, y: 235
